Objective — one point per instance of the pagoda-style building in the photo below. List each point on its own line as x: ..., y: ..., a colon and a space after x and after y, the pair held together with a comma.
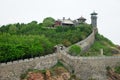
x: 81, y: 20
x: 64, y: 22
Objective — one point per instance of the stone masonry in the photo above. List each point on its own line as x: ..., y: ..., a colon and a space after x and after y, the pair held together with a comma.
x: 13, y: 70
x: 90, y: 67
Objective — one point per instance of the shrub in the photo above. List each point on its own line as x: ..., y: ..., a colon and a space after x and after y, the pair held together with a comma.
x: 75, y: 50
x: 117, y: 69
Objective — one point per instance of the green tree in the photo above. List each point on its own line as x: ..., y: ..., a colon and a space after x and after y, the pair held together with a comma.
x: 48, y: 22
x: 12, y: 29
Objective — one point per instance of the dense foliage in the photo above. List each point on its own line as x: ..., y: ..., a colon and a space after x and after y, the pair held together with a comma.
x: 13, y: 47
x: 75, y: 50
x: 20, y: 41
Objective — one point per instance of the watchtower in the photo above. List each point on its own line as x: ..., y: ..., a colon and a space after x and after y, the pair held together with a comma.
x: 94, y: 19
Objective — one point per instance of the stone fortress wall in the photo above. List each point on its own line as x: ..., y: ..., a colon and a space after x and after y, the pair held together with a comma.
x: 90, y: 67
x: 83, y: 67
x: 87, y: 42
x: 13, y: 70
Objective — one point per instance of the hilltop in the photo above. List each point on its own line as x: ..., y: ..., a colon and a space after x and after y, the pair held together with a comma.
x: 21, y: 41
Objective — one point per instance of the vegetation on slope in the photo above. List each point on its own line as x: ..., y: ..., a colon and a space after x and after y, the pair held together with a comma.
x: 14, y: 47
x: 20, y: 41
x: 101, y: 43
x: 57, y: 72
x: 113, y: 73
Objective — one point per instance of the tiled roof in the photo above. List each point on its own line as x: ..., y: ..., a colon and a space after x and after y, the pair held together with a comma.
x: 67, y: 21
x: 81, y: 18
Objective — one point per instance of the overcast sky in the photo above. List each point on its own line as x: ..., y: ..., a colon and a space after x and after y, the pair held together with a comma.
x: 24, y: 11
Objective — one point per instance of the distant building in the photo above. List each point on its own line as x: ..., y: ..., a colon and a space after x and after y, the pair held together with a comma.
x: 69, y: 22
x: 94, y: 19
x: 64, y: 22
x: 81, y: 20
x: 57, y: 23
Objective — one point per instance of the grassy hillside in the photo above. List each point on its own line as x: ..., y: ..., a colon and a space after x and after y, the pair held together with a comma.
x: 101, y: 42
x: 20, y: 41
